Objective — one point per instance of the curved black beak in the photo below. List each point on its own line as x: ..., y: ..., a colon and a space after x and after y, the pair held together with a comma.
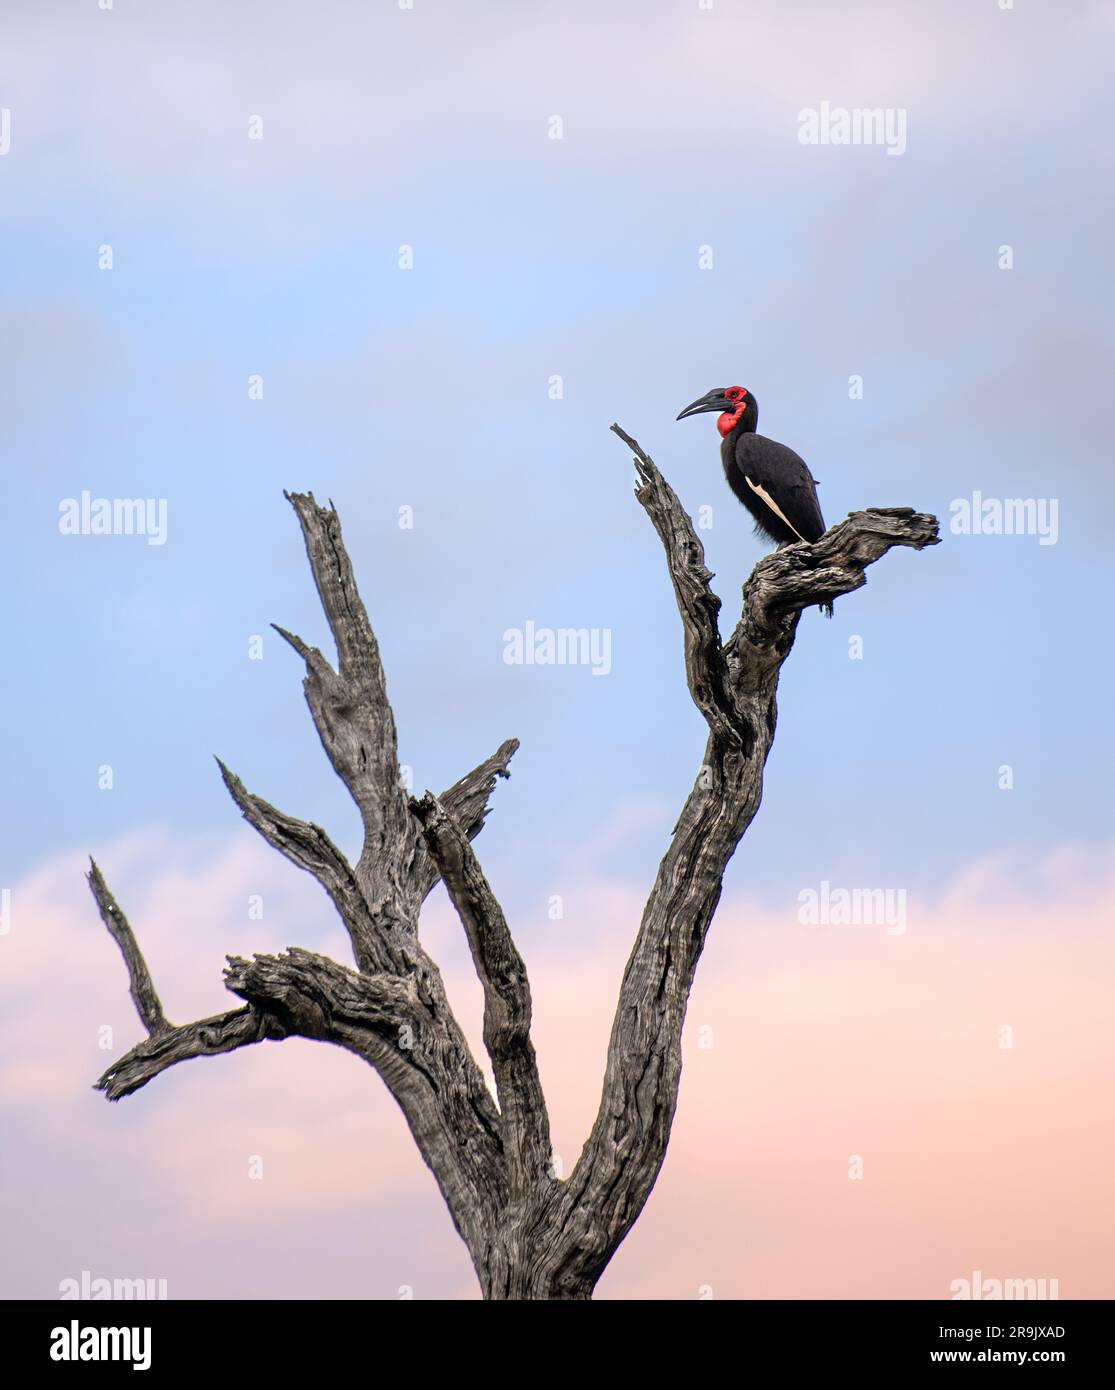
x: 714, y: 400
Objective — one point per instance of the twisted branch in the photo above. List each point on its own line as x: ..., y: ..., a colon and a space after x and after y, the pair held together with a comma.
x: 141, y: 986
x: 507, y: 1007
x: 734, y: 688
x: 529, y: 1235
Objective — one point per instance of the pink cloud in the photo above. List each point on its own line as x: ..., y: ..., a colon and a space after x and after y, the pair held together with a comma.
x: 805, y: 1048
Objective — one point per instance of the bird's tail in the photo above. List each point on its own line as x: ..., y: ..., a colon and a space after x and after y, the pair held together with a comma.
x: 826, y: 609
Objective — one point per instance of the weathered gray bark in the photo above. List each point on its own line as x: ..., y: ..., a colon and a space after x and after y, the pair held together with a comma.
x: 530, y: 1235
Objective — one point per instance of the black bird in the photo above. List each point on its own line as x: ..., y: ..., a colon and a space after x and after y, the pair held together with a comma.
x: 771, y: 481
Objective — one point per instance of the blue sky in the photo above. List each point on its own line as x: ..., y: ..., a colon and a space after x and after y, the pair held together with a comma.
x: 429, y: 388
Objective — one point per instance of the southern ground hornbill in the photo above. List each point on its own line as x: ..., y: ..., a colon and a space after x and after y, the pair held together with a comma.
x: 771, y: 481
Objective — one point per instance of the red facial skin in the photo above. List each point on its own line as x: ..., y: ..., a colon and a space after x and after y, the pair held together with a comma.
x: 727, y: 422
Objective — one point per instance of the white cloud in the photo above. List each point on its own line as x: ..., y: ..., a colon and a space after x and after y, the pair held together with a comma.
x: 802, y: 1046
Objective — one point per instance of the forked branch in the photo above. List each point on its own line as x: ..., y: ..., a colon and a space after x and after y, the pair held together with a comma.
x: 734, y: 688
x: 529, y: 1234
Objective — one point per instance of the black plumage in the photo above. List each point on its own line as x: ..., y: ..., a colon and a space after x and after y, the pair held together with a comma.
x: 775, y: 486
x: 772, y: 482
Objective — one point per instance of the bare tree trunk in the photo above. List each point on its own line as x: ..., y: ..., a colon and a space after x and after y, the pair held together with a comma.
x: 530, y: 1235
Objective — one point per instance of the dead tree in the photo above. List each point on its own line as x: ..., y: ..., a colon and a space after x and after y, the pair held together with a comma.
x: 530, y: 1235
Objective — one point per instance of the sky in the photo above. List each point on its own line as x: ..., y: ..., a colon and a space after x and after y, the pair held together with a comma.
x: 417, y: 259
